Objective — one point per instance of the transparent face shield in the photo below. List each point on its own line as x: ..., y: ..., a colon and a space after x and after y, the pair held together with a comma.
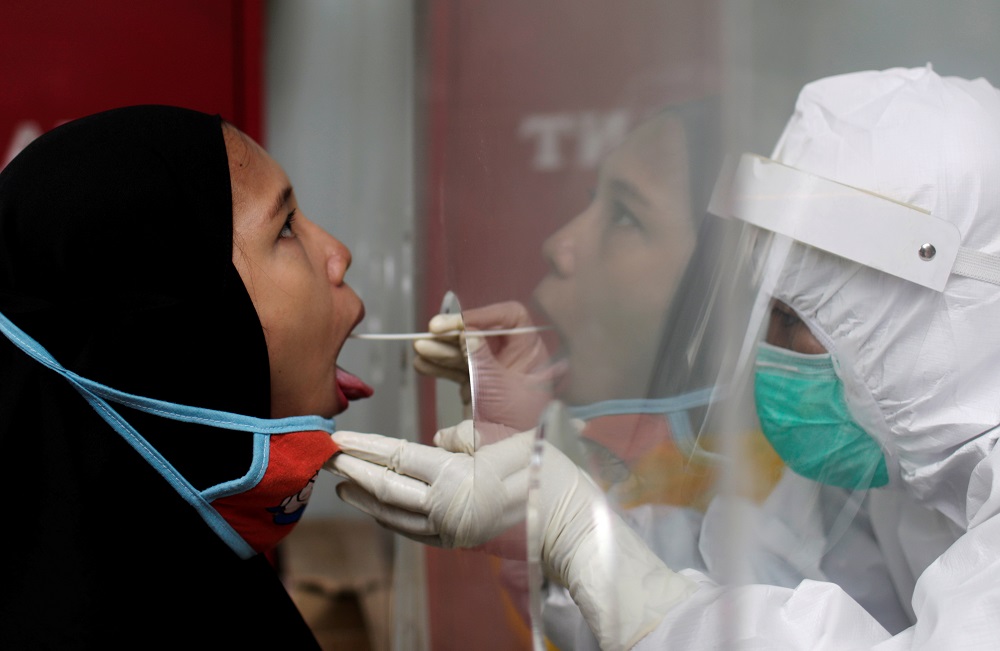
x: 798, y: 291
x: 664, y: 456
x: 562, y: 218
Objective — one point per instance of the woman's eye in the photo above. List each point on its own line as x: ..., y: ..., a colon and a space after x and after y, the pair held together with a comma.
x: 622, y: 216
x: 286, y: 229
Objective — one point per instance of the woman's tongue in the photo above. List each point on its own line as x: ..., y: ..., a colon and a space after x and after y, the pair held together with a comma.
x: 351, y: 386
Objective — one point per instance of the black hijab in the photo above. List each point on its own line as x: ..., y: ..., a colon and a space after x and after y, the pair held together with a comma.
x: 116, y: 256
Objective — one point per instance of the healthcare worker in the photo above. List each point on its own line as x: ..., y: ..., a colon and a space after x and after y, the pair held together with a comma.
x: 870, y: 347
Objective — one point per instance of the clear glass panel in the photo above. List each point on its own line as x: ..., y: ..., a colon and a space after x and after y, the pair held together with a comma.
x: 573, y: 152
x: 572, y: 148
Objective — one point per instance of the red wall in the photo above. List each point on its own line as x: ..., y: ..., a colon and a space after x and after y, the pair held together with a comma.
x: 62, y: 59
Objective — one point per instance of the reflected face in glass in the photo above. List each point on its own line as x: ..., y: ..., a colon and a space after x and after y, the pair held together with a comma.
x: 294, y: 272
x: 614, y: 267
x: 787, y: 330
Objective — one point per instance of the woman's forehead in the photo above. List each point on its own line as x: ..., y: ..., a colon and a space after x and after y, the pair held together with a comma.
x: 653, y: 153
x: 253, y: 173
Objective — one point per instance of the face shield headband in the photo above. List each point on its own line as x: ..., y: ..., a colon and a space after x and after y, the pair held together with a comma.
x: 875, y: 231
x: 250, y: 514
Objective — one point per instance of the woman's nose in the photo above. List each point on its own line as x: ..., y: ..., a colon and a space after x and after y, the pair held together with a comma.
x: 559, y: 251
x: 338, y: 260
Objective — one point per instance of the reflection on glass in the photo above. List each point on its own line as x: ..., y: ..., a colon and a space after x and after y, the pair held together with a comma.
x: 634, y: 353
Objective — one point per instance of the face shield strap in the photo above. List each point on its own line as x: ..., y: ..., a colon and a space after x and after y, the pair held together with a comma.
x: 876, y: 231
x: 978, y: 265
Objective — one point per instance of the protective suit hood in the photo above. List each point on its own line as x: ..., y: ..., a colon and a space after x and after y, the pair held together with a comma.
x: 919, y: 367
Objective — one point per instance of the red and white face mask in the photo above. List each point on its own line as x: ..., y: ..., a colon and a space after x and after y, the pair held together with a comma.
x: 265, y: 505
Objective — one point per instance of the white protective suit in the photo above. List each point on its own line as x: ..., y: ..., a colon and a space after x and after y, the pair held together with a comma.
x: 783, y: 551
x: 919, y: 369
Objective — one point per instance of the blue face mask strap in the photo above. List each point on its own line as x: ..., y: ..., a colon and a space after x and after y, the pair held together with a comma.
x: 674, y: 408
x: 97, y: 395
x: 173, y: 411
x: 669, y: 405
x: 184, y: 488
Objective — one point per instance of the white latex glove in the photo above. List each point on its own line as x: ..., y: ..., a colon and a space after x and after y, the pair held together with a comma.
x: 435, y: 495
x: 511, y: 376
x: 461, y: 496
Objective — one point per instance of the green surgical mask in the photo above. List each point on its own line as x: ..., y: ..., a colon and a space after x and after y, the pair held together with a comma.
x: 800, y: 404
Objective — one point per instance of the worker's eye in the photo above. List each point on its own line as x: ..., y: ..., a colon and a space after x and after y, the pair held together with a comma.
x: 789, y: 320
x: 784, y: 315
